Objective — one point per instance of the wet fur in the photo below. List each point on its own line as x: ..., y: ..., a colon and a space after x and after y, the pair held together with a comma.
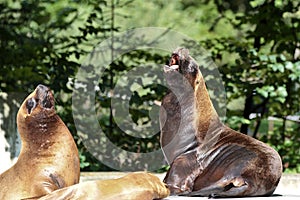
x: 134, y: 186
x: 206, y: 157
x: 48, y: 165
x: 49, y: 157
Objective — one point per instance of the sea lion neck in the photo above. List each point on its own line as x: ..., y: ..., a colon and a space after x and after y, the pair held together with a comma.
x: 187, y: 115
x: 38, y: 129
x: 186, y: 80
x: 206, y: 116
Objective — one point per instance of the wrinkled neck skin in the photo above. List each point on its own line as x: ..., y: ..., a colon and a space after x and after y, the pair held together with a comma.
x: 188, y: 117
x: 176, y: 117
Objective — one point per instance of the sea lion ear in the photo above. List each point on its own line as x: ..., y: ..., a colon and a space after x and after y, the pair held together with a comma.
x: 30, y: 105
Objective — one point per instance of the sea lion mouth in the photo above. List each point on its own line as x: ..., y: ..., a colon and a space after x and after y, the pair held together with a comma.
x: 173, y: 64
x: 182, y: 62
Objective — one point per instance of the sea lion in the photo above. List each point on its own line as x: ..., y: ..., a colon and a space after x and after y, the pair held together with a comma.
x: 134, y: 186
x: 49, y: 157
x: 206, y: 157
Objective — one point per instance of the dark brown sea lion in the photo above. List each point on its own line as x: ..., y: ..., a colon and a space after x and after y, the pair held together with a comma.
x: 134, y: 186
x: 49, y: 157
x: 208, y: 158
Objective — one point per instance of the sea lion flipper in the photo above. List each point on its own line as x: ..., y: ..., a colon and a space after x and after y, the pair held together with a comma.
x: 57, y: 180
x: 225, y: 188
x: 186, y: 165
x: 61, y: 194
x: 135, y: 186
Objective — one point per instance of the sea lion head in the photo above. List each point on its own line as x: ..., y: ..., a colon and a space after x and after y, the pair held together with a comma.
x: 40, y: 100
x: 182, y: 64
x: 36, y: 110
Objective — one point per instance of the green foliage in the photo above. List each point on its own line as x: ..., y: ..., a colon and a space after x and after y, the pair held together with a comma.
x: 236, y: 121
x: 254, y: 43
x: 287, y: 143
x: 34, y: 46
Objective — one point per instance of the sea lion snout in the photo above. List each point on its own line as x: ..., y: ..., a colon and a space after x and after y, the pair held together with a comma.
x: 41, y: 98
x: 45, y: 96
x: 187, y: 64
x: 173, y: 64
x: 30, y: 105
x: 182, y: 65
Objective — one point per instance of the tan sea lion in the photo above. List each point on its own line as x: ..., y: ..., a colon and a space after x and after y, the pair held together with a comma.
x: 134, y: 186
x: 49, y: 157
x: 208, y: 158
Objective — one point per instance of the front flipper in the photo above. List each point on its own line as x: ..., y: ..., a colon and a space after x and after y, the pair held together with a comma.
x: 225, y: 188
x: 182, y: 174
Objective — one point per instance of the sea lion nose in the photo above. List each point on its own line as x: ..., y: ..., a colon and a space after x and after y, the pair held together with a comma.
x: 44, y: 96
x: 42, y: 89
x: 30, y: 105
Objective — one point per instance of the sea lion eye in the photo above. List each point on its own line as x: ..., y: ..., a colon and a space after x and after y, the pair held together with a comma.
x: 30, y: 105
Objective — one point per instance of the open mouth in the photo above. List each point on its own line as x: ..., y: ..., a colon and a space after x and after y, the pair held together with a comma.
x: 173, y: 64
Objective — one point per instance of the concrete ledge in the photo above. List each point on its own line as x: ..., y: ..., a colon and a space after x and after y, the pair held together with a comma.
x: 288, y: 188
x: 289, y: 185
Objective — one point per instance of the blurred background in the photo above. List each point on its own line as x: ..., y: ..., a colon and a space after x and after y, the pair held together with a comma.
x: 255, y: 45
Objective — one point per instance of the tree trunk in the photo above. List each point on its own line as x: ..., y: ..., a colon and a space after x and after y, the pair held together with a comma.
x: 247, y: 112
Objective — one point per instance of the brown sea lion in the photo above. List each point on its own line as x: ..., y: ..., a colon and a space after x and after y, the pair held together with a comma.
x: 134, y: 186
x: 206, y: 157
x: 48, y: 159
